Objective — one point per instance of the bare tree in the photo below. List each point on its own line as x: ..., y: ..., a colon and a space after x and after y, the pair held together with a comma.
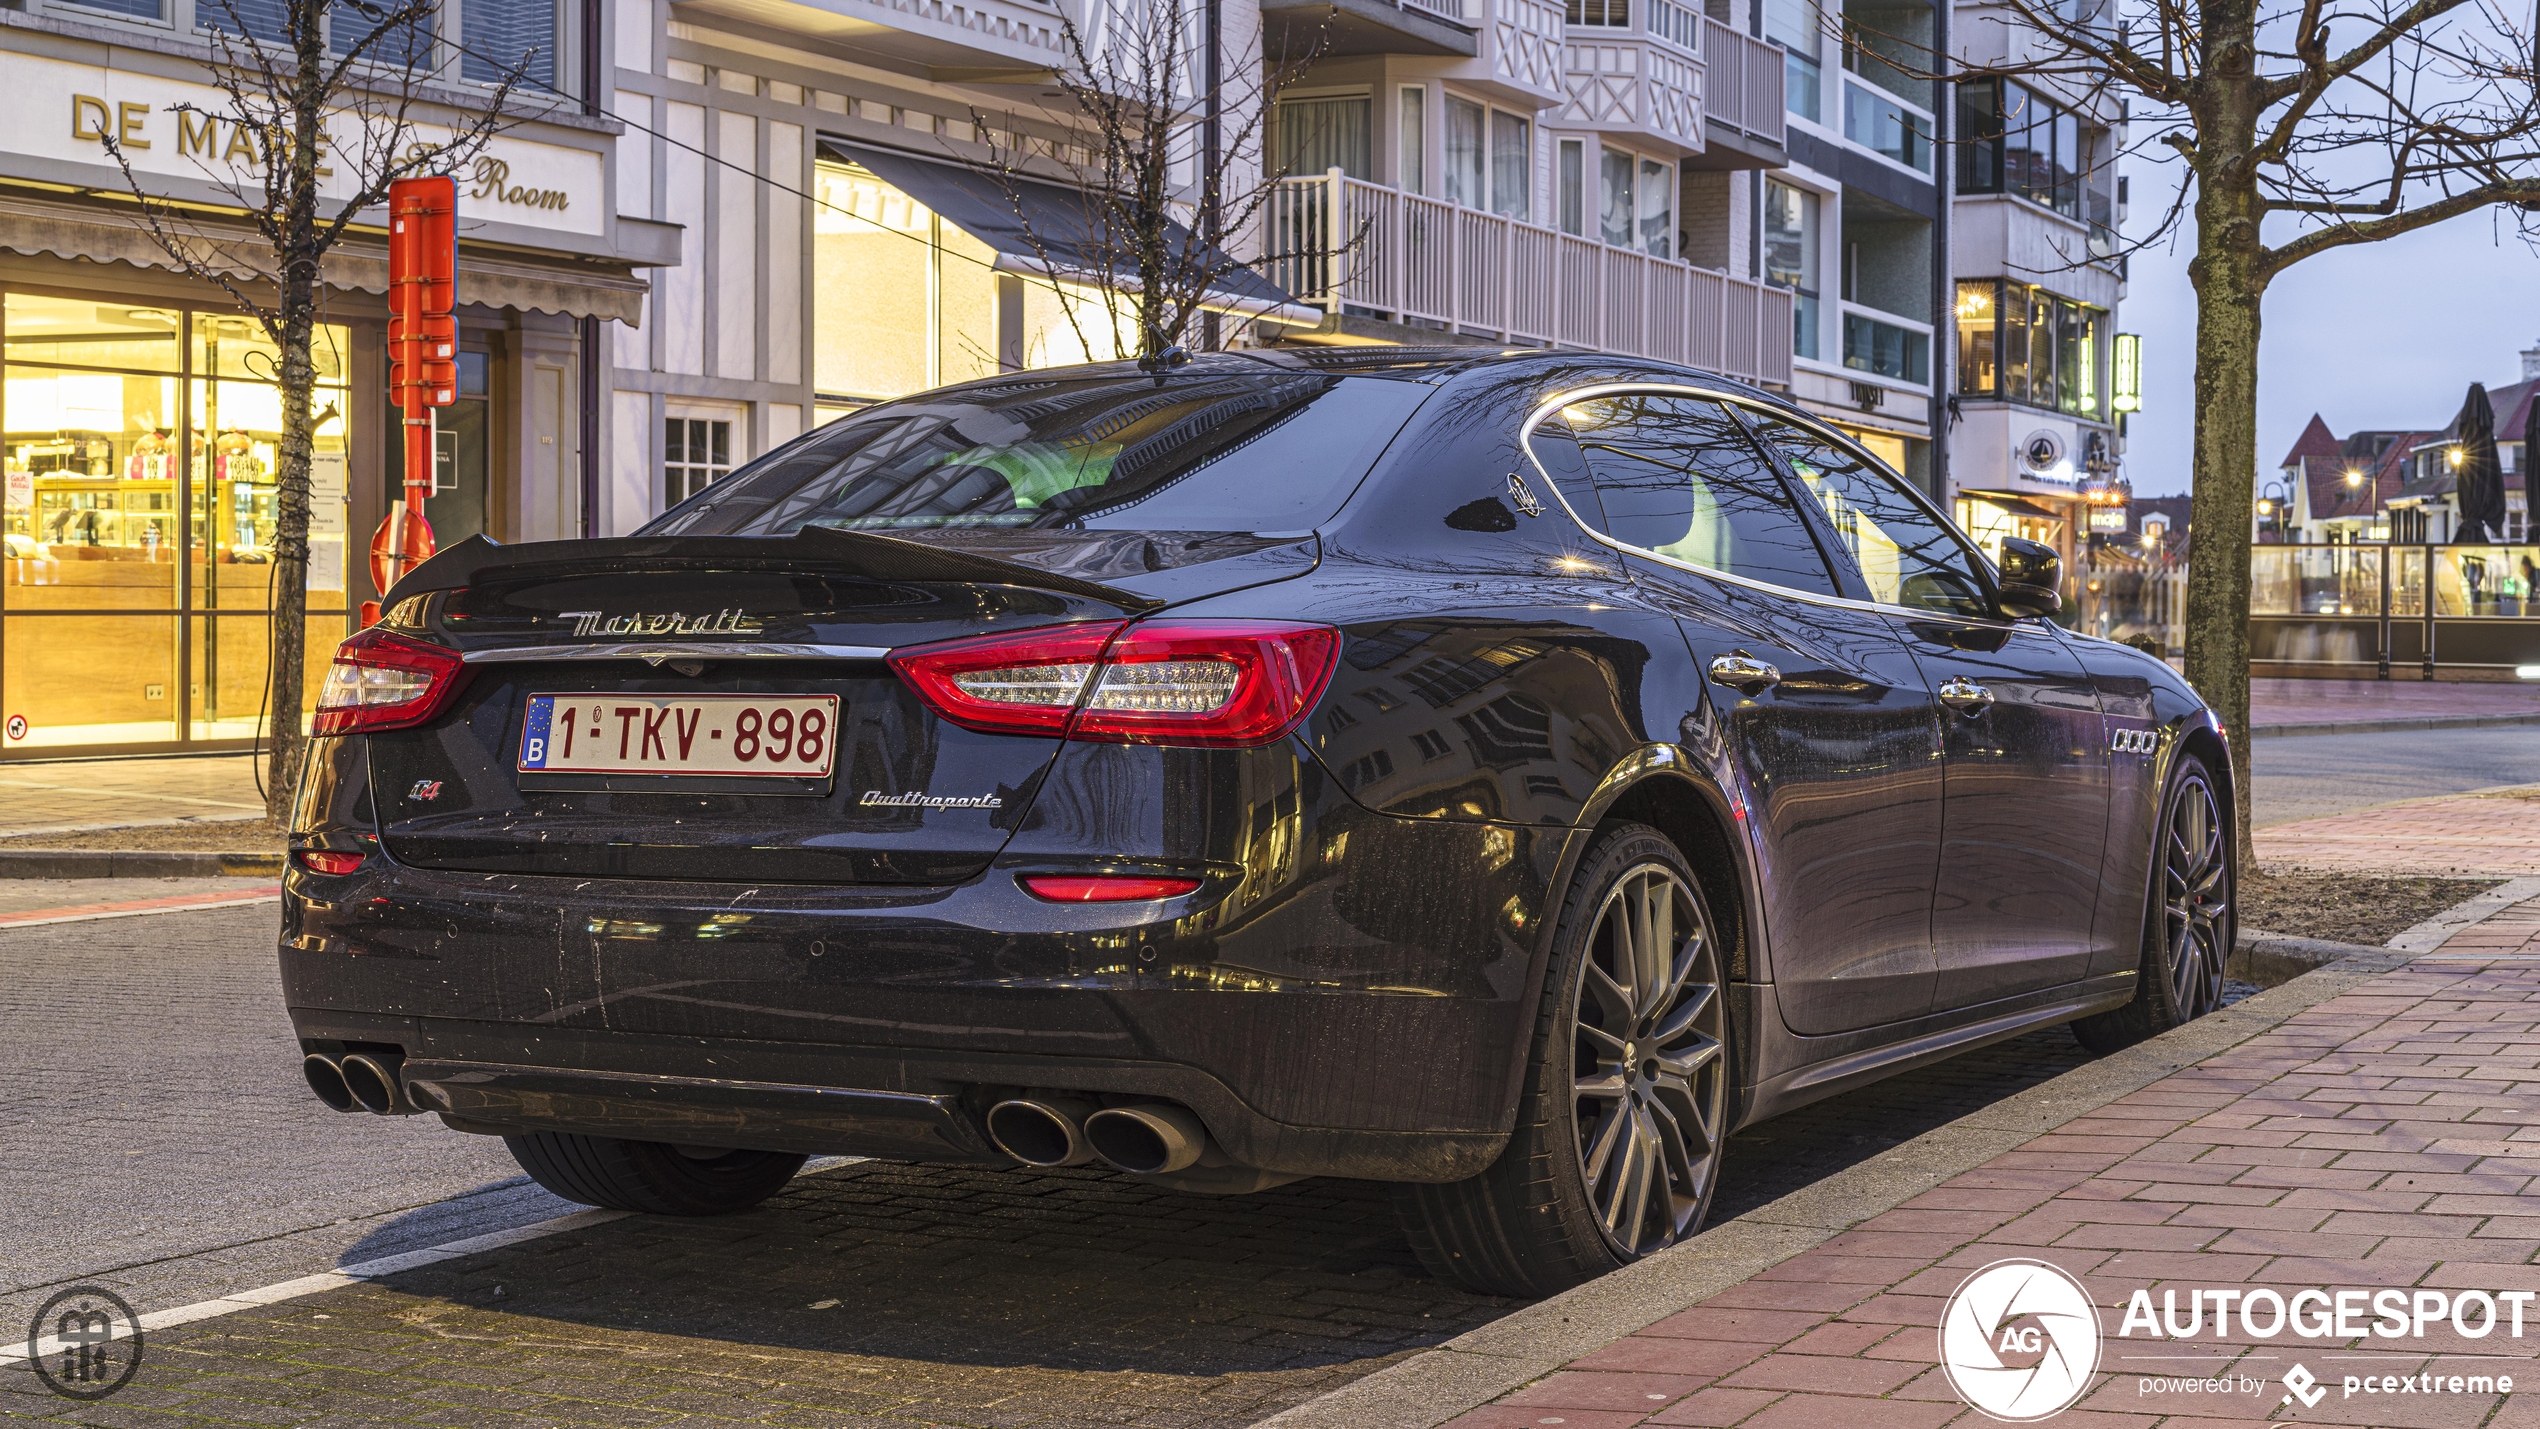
x: 345, y: 112
x: 2344, y: 121
x: 1138, y: 95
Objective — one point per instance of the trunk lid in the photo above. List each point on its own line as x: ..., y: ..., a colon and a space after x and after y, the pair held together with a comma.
x: 616, y: 625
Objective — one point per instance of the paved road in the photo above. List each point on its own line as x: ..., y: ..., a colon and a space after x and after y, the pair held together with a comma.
x: 2311, y: 776
x: 149, y: 1098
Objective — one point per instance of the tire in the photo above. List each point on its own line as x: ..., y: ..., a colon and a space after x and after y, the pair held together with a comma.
x: 1619, y: 1127
x: 649, y: 1177
x: 2189, y: 922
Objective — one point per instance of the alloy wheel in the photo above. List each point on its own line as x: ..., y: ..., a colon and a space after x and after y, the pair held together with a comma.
x: 1649, y: 1075
x: 2196, y: 894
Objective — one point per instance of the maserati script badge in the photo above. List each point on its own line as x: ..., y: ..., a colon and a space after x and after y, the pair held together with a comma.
x: 721, y: 622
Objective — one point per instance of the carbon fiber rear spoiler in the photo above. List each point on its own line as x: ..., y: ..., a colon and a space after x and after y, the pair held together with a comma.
x: 853, y: 553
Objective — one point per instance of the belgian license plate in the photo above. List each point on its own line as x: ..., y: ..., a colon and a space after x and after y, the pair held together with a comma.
x: 782, y: 735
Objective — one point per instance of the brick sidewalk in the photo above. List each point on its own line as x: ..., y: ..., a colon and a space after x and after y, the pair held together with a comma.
x: 2461, y: 835
x: 2381, y: 1138
x: 112, y: 793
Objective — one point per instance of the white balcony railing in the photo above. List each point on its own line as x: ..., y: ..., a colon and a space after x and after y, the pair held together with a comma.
x: 1423, y: 260
x: 1745, y: 81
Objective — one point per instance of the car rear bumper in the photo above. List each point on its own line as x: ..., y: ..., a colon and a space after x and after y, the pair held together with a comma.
x: 883, y: 1022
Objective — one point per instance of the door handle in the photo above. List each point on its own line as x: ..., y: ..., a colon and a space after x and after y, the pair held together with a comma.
x: 1744, y: 673
x: 1965, y: 696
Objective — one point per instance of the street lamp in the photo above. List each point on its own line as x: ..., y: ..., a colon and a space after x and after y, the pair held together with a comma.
x: 2271, y: 499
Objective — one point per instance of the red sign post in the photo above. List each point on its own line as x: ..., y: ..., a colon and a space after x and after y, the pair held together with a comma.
x: 423, y: 359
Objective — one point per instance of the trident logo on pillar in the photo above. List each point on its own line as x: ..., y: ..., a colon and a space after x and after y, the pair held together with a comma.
x: 423, y: 358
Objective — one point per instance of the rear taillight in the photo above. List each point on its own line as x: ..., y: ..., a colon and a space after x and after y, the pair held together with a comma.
x: 1105, y: 887
x: 1220, y: 683
x: 383, y: 681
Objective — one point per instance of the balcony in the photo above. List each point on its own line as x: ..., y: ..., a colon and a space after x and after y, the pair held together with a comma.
x: 1514, y: 45
x: 950, y: 39
x: 1634, y: 69
x: 1743, y: 79
x: 1887, y: 126
x: 1423, y: 261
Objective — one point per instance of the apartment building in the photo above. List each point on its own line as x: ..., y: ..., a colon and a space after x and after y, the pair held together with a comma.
x: 2042, y: 379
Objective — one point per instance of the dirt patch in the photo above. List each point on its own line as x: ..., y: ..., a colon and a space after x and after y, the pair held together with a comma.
x: 209, y: 836
x: 2346, y: 907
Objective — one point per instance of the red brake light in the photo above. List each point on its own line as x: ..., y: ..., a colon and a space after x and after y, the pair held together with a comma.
x: 1217, y: 683
x: 318, y: 860
x: 383, y: 681
x: 1022, y: 683
x: 1104, y: 887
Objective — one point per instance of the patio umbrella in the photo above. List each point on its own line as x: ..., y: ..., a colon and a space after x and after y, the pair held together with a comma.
x: 2480, y: 486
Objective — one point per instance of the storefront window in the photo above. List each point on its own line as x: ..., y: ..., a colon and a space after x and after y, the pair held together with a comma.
x: 141, y: 484
x: 904, y: 301
x: 1979, y: 365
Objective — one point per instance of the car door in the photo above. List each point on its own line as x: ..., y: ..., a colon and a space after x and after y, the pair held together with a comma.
x: 1834, y: 733
x: 2025, y: 751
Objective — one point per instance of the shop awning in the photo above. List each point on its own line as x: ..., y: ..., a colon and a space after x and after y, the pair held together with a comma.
x: 1063, y: 238
x: 48, y: 228
x: 2015, y: 505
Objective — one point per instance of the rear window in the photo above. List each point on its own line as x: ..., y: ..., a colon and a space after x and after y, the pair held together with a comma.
x: 1243, y: 452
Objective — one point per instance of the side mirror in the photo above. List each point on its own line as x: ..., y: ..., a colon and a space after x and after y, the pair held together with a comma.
x: 2032, y: 578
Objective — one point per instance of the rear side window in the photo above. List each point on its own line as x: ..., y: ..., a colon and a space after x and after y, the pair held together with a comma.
x: 1224, y: 452
x: 1902, y: 552
x: 1678, y: 477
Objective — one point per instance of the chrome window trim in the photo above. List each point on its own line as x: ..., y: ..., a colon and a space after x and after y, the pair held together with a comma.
x: 659, y: 651
x: 1744, y: 404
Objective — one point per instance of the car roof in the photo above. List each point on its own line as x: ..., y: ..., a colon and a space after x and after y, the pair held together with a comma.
x: 1437, y: 366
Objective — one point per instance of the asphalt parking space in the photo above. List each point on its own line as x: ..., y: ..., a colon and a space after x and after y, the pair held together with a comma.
x: 150, y: 1093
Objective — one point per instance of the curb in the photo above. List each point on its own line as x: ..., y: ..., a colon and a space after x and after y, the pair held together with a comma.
x: 1479, y: 1366
x: 2385, y: 726
x: 115, y: 863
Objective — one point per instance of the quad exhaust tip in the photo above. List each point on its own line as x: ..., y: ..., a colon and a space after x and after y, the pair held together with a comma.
x: 364, y: 1081
x: 327, y: 1080
x: 1146, y: 1140
x: 373, y: 1082
x: 1042, y: 1131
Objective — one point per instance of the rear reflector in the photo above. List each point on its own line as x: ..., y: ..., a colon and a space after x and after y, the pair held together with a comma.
x: 1220, y: 683
x: 383, y: 681
x: 1104, y: 887
x: 326, y: 861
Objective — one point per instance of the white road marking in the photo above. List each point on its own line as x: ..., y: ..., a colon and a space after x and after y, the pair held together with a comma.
x: 362, y: 1270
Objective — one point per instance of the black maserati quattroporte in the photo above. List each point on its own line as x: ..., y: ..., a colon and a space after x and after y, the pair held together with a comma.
x: 1499, y: 775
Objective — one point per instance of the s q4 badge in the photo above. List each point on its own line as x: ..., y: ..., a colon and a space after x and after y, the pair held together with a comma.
x: 2135, y: 741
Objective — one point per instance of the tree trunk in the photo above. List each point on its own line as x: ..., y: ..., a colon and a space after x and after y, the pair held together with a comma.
x: 2231, y: 279
x: 295, y: 328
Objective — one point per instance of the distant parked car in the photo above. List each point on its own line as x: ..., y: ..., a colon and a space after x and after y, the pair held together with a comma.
x: 1498, y: 775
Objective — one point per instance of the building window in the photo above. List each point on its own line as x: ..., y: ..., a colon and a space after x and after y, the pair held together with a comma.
x: 1574, y: 187
x: 1796, y: 24
x: 1511, y: 166
x: 1320, y: 134
x: 1464, y: 176
x: 696, y: 453
x: 2013, y: 140
x: 1415, y: 139
x: 1884, y: 349
x: 1657, y: 208
x: 1882, y: 124
x: 1790, y: 257
x: 134, y: 9
x: 1614, y: 170
x: 2029, y: 346
x: 499, y: 37
x: 1609, y: 14
x: 1979, y: 365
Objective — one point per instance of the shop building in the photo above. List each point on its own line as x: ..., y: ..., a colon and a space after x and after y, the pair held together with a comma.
x: 2042, y: 379
x: 139, y: 422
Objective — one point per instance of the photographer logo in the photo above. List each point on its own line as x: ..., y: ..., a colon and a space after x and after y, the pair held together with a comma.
x: 2019, y: 1340
x: 85, y: 1343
